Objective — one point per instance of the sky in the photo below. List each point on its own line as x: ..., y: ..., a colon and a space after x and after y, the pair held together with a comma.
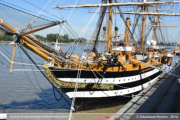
x: 77, y: 20
x: 80, y: 17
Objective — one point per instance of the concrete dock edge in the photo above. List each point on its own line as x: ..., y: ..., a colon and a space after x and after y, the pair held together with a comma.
x: 153, y: 97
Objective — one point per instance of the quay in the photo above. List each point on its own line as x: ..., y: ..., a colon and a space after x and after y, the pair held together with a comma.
x: 162, y: 96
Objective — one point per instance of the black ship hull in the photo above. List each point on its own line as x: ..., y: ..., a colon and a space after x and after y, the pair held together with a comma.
x: 126, y: 84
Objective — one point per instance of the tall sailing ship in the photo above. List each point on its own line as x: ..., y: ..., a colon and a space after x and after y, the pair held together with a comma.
x: 99, y: 79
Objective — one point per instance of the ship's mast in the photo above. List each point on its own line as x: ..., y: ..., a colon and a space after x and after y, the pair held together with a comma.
x: 154, y: 38
x: 111, y: 4
x: 155, y: 20
x: 143, y: 27
x: 126, y: 31
x: 110, y: 27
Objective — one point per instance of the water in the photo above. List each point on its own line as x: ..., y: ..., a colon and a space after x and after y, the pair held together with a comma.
x: 19, y: 93
x: 28, y: 91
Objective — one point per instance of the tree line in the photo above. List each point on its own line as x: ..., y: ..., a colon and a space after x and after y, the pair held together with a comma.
x: 5, y: 37
x: 49, y: 38
x: 61, y: 38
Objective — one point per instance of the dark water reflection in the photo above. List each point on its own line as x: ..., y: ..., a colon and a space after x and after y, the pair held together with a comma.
x: 45, y: 101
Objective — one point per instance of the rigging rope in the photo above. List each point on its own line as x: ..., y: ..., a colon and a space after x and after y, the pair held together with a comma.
x: 27, y: 74
x: 54, y: 91
x: 35, y: 19
x: 84, y: 30
x: 69, y: 15
x: 34, y: 74
x: 26, y: 9
x: 128, y: 28
x: 44, y: 74
x: 75, y: 90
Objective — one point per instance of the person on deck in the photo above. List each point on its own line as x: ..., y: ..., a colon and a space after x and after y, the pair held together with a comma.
x: 127, y: 58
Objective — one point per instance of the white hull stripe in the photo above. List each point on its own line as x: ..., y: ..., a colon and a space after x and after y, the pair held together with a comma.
x: 117, y: 80
x: 109, y: 93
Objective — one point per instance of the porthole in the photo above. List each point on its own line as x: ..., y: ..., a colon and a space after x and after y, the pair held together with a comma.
x: 119, y: 80
x: 124, y: 79
x: 106, y: 80
x: 84, y: 80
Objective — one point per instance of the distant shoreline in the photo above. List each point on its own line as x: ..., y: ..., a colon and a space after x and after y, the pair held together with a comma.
x: 7, y: 43
x: 4, y: 43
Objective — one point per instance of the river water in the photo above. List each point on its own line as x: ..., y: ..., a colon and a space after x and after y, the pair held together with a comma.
x: 29, y: 91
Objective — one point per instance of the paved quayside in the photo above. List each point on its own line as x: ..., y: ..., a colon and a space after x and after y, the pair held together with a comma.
x: 162, y: 96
